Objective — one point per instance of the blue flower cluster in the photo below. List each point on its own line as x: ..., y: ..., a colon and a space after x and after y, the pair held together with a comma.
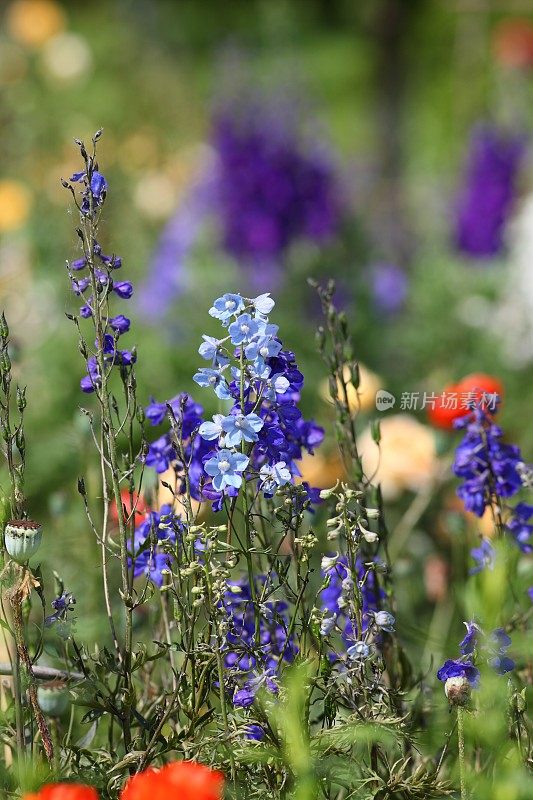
x: 93, y: 197
x: 253, y: 657
x: 162, y: 453
x: 148, y: 555
x: 489, y: 467
x: 489, y: 191
x: 337, y: 600
x: 264, y: 434
x: 495, y: 648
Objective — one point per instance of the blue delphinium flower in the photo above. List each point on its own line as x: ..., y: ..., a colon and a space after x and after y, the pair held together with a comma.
x: 272, y: 476
x: 214, y: 379
x: 94, y: 191
x: 243, y: 329
x: 62, y: 605
x: 226, y: 468
x: 459, y: 668
x: 484, y: 556
x: 358, y: 651
x: 254, y: 732
x: 250, y: 367
x: 251, y: 662
x: 337, y: 599
x: 468, y: 644
x: 494, y: 647
x: 227, y: 306
x: 162, y: 454
x: 489, y: 467
x: 241, y: 428
x: 147, y: 557
x: 211, y: 350
x: 488, y: 193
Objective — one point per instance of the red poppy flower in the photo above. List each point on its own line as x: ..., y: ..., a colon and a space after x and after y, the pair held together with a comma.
x: 451, y: 404
x: 181, y: 780
x: 64, y: 791
x: 139, y: 504
x: 513, y: 43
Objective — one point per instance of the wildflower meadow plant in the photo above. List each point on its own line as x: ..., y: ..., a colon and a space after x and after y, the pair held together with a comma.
x: 253, y: 638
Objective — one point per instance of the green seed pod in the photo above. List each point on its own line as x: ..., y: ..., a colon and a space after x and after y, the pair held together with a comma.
x: 22, y: 538
x: 53, y: 698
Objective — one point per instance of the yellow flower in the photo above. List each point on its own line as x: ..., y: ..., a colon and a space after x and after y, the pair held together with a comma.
x: 361, y: 399
x: 406, y: 458
x: 165, y: 496
x: 320, y: 471
x: 33, y: 22
x: 15, y: 203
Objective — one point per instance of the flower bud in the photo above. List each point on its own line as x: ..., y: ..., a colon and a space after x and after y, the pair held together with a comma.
x: 22, y: 538
x: 457, y: 691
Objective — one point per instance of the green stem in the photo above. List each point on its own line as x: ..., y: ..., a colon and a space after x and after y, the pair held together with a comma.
x: 24, y: 660
x: 461, y: 742
x: 19, y: 713
x: 109, y: 437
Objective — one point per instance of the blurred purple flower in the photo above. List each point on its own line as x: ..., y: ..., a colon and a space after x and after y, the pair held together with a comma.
x: 489, y: 191
x: 267, y: 190
x: 389, y: 285
x: 272, y: 190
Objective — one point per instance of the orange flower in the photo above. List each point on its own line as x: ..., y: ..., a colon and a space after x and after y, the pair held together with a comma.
x: 450, y: 406
x: 64, y: 791
x: 182, y: 780
x: 34, y: 22
x: 513, y: 43
x: 141, y: 508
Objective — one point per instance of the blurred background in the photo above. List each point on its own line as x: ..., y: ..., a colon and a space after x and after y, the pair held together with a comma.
x: 249, y: 146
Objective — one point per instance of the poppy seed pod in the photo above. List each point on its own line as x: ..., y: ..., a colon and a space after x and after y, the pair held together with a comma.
x: 457, y: 691
x: 22, y: 538
x: 53, y: 698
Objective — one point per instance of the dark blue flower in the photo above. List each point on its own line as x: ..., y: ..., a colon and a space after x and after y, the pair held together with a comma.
x: 160, y: 454
x: 337, y: 599
x: 460, y: 668
x: 98, y: 185
x: 489, y: 192
x: 254, y: 732
x: 120, y: 323
x: 488, y: 466
x: 147, y: 557
x: 253, y: 663
x: 124, y: 289
x: 470, y: 641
